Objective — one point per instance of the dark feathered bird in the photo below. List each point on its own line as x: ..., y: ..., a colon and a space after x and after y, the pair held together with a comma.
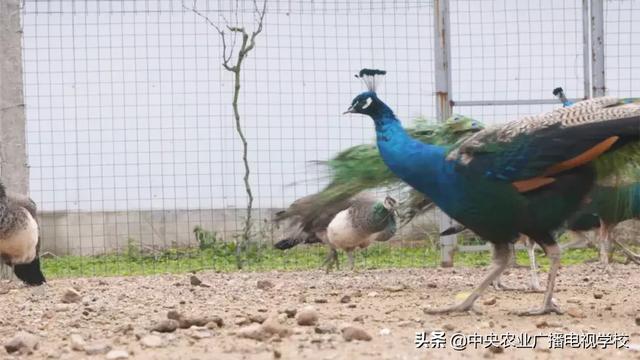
x: 357, y: 169
x: 522, y: 177
x: 19, y: 237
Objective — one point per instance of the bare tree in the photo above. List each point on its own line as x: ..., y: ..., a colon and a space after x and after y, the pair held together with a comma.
x: 228, y: 34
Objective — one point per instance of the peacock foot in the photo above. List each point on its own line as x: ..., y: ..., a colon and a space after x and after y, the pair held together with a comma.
x: 548, y: 308
x: 460, y: 308
x: 535, y: 288
x: 500, y: 286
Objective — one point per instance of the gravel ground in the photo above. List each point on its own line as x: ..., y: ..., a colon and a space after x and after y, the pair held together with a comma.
x: 311, y: 315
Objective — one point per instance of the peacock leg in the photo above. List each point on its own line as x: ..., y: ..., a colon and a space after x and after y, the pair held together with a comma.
x: 549, y: 305
x: 630, y: 254
x: 497, y: 284
x: 535, y: 281
x: 501, y: 257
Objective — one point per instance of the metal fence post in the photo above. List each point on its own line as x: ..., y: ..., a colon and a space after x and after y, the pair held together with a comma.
x: 586, y: 48
x: 442, y: 60
x: 597, y: 48
x: 14, y: 171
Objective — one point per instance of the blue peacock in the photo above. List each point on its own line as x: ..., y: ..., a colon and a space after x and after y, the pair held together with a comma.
x: 523, y: 177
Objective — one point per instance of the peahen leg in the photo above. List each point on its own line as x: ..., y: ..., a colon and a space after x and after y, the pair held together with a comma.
x: 605, y: 244
x: 501, y: 256
x: 630, y: 254
x: 549, y: 306
x: 352, y: 262
x: 330, y: 260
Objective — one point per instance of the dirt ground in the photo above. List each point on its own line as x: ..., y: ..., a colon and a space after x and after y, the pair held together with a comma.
x: 115, y: 315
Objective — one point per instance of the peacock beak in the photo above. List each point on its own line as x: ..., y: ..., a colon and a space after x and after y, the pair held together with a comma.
x: 350, y: 110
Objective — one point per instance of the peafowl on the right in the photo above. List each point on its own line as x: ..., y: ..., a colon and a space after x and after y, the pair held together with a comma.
x: 522, y: 177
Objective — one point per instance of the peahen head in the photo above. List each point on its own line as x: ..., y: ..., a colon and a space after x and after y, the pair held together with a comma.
x: 390, y: 203
x: 457, y: 124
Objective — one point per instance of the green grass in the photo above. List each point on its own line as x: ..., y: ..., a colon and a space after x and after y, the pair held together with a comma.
x: 379, y: 256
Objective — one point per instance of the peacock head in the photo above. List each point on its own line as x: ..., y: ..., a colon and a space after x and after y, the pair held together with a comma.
x: 368, y: 102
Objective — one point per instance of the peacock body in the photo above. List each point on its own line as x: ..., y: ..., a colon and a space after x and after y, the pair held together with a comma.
x: 361, y: 168
x: 523, y: 177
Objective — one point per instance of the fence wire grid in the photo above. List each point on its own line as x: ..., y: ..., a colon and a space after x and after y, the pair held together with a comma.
x: 131, y: 137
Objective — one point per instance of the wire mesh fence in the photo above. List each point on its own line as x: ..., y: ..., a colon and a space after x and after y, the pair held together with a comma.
x: 135, y: 160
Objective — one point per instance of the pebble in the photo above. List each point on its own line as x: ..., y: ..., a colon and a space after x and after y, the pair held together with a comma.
x: 490, y: 301
x: 290, y: 312
x: 325, y: 329
x: 496, y: 349
x: 77, y: 342
x: 395, y: 288
x: 23, y: 342
x: 575, y: 312
x: 385, y: 332
x: 96, y: 348
x: 448, y: 327
x: 166, y: 326
x: 350, y: 333
x: 201, y: 334
x: 597, y: 295
x: 544, y: 323
x: 638, y: 320
x: 257, y: 318
x: 320, y: 301
x: 253, y: 331
x: 152, y: 341
x: 264, y: 284
x: 195, y: 281
x: 372, y: 294
x: 117, y: 354
x: 70, y: 296
x: 345, y: 299
x: 307, y: 316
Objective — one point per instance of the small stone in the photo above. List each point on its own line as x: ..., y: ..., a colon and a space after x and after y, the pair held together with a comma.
x: 395, y: 288
x: 307, y: 316
x: 152, y: 341
x: 257, y: 318
x: 432, y: 285
x: 77, y: 342
x: 574, y: 301
x: 385, y: 332
x: 350, y: 333
x: 23, y: 342
x: 242, y: 321
x: 117, y: 354
x: 575, y: 312
x: 253, y: 331
x: 277, y: 354
x: 496, y: 349
x: 345, y: 299
x: 597, y: 295
x: 448, y: 327
x: 215, y: 320
x: 264, y: 284
x: 320, y: 301
x: 273, y: 327
x: 201, y: 334
x: 372, y: 294
x: 608, y: 308
x: 290, y: 312
x: 70, y: 296
x: 544, y: 323
x: 638, y: 320
x: 166, y: 326
x: 325, y: 329
x: 96, y: 348
x: 195, y: 281
x: 490, y: 301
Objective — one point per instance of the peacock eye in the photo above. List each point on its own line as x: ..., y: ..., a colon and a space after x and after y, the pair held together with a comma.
x: 367, y: 103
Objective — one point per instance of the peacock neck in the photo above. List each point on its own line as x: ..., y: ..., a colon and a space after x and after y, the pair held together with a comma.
x: 423, y: 166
